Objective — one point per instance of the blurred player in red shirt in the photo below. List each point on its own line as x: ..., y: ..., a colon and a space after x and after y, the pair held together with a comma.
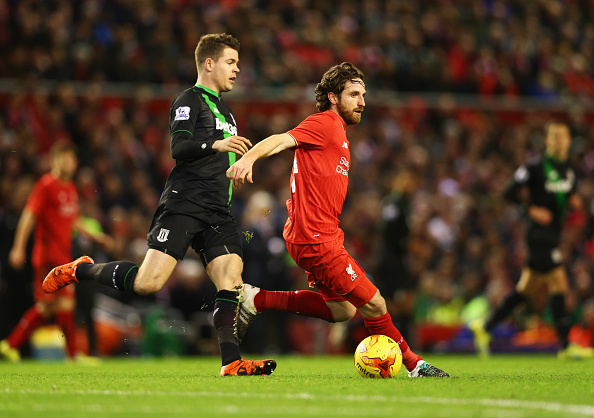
x: 53, y: 211
x: 319, y: 182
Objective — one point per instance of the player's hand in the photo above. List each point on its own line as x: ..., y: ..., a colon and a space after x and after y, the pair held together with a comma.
x: 241, y: 171
x: 106, y: 242
x: 16, y: 258
x: 236, y: 144
x: 540, y: 215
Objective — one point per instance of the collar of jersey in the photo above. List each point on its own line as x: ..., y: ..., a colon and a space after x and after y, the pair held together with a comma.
x: 340, y: 119
x: 214, y: 93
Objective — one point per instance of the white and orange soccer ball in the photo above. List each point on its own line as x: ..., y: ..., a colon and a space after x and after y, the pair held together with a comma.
x: 378, y: 356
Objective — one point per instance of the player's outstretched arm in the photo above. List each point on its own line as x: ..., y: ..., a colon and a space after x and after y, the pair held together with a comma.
x: 96, y: 235
x: 236, y: 144
x: 17, y: 255
x: 242, y: 169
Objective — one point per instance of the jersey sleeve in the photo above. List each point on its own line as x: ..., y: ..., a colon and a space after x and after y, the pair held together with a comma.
x: 183, y: 117
x: 312, y: 133
x: 520, y: 179
x: 35, y: 202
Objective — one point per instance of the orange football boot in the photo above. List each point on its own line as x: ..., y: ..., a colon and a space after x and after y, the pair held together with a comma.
x: 63, y: 275
x: 243, y: 367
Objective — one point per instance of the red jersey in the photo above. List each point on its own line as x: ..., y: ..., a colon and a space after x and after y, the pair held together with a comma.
x: 319, y: 179
x: 55, y: 205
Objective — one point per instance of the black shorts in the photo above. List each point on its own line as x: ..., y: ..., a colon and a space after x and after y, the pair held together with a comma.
x: 543, y: 258
x: 179, y: 224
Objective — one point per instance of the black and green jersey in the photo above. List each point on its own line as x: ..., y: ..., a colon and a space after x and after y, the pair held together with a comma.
x: 550, y: 184
x: 198, y: 118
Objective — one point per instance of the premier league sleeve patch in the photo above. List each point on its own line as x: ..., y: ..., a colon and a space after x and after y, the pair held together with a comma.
x: 182, y: 113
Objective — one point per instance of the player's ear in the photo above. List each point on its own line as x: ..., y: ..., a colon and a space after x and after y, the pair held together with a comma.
x: 208, y: 64
x: 333, y: 98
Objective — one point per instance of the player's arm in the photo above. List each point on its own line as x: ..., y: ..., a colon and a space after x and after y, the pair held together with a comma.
x: 96, y: 235
x: 575, y: 202
x: 23, y: 232
x: 518, y: 192
x: 242, y: 169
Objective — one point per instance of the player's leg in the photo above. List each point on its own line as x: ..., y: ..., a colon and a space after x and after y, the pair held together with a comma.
x: 301, y: 302
x: 558, y: 286
x: 63, y: 309
x: 253, y: 300
x: 168, y: 240
x: 221, y: 253
x: 29, y: 322
x: 125, y: 276
x: 378, y: 321
x: 482, y: 329
x: 526, y: 285
x: 31, y: 319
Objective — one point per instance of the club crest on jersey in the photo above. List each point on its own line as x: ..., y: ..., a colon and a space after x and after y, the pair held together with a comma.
x: 182, y: 113
x: 351, y: 271
x: 226, y: 127
x: 163, y: 234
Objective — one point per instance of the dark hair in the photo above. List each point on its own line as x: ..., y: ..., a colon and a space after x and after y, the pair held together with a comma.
x: 333, y: 81
x: 62, y: 147
x: 212, y: 46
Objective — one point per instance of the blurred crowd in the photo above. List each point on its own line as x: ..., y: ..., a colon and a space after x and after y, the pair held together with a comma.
x: 541, y: 48
x: 424, y: 215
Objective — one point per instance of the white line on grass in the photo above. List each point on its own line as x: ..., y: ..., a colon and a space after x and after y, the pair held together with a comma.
x: 587, y: 410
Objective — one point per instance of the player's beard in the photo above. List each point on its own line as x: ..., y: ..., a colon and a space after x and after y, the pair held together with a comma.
x: 348, y: 114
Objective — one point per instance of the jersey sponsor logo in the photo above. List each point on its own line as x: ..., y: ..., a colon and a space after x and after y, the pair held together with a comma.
x: 163, y: 234
x: 345, y: 145
x: 342, y: 170
x: 226, y: 127
x: 351, y: 271
x: 182, y: 113
x: 554, y: 185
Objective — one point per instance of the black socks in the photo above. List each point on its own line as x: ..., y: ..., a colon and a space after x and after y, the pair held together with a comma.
x: 119, y: 275
x: 504, y: 310
x: 562, y: 320
x: 225, y: 310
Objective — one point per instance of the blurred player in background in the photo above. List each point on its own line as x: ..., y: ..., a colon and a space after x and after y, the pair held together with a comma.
x: 195, y: 205
x: 545, y: 190
x: 318, y: 189
x: 53, y: 211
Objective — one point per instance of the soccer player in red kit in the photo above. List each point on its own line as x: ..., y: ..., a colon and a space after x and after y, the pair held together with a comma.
x: 53, y: 211
x: 314, y: 239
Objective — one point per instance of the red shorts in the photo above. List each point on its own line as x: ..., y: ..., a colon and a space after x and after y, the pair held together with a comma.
x: 39, y: 273
x: 336, y: 274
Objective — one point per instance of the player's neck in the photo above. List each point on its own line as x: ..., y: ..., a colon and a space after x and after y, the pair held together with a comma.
x: 60, y: 176
x: 208, y: 84
x: 554, y: 157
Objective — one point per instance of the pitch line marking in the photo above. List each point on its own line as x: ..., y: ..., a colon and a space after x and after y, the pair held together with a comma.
x: 587, y: 410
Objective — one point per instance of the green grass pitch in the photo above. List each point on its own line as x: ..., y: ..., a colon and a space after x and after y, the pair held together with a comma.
x: 504, y: 386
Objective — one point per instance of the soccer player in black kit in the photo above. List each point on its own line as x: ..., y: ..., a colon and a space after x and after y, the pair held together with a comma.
x: 195, y: 205
x: 545, y: 190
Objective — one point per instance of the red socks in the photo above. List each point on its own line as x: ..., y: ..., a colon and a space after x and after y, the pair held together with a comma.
x: 65, y: 320
x: 383, y: 325
x: 28, y: 323
x: 301, y: 302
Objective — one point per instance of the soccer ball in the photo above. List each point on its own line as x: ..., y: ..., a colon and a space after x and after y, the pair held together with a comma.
x: 378, y: 356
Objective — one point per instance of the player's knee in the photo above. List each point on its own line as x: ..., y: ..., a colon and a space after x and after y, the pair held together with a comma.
x: 345, y: 314
x: 147, y: 286
x: 375, y: 307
